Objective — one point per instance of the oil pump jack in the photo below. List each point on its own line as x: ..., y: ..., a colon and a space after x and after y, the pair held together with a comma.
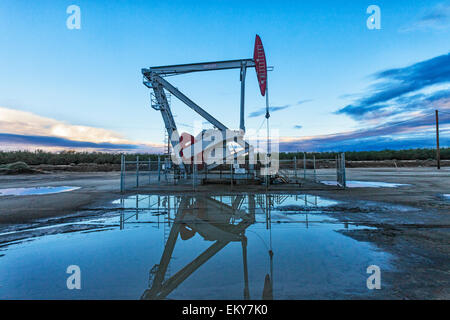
x: 155, y: 78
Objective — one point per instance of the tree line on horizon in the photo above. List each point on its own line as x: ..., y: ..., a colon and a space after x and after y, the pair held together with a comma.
x: 406, y: 154
x: 73, y: 157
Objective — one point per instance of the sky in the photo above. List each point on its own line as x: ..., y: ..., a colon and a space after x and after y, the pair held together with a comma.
x: 336, y: 85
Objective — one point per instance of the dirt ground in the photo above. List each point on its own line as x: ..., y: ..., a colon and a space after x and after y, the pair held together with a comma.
x: 411, y: 222
x: 94, y: 188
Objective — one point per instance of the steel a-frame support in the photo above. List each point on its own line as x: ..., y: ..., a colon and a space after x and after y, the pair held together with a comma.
x: 154, y: 78
x: 169, y: 122
x: 242, y: 115
x: 191, y: 104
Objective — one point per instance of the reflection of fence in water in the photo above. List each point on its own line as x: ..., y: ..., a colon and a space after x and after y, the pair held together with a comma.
x: 155, y: 209
x: 161, y: 210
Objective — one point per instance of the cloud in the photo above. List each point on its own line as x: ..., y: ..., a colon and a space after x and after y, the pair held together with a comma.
x: 413, y: 133
x: 374, y: 144
x: 397, y: 111
x: 367, y: 144
x: 399, y: 90
x: 436, y: 18
x: 262, y: 111
x: 7, y: 139
x: 273, y: 109
x: 26, y: 123
x: 25, y: 130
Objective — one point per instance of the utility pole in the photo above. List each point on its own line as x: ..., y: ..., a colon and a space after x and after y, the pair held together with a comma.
x: 438, y: 152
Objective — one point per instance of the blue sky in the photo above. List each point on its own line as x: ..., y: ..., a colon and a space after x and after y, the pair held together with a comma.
x: 329, y: 89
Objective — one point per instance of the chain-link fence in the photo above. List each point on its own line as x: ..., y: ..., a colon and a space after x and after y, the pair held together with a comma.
x: 139, y: 173
x: 327, y: 171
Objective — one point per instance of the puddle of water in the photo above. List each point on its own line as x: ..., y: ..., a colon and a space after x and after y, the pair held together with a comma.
x: 366, y: 184
x: 186, y: 247
x: 35, y: 191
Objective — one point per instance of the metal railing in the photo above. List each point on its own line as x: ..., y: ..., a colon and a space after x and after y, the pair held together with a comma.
x: 329, y: 171
x: 138, y: 173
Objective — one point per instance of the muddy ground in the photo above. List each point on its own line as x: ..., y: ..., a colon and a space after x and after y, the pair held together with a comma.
x: 411, y: 222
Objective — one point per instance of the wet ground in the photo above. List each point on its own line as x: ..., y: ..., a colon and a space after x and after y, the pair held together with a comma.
x: 150, y: 247
x: 35, y: 191
x: 365, y: 184
x: 322, y: 242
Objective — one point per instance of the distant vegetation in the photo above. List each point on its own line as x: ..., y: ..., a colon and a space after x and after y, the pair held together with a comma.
x: 68, y: 157
x: 410, y: 154
x: 14, y: 168
x: 72, y: 157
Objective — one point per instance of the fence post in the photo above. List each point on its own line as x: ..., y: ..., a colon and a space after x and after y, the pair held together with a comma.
x: 137, y: 171
x: 295, y: 167
x: 159, y: 169
x: 304, y: 165
x: 314, y: 160
x: 267, y: 172
x: 165, y: 170
x: 122, y: 171
x: 193, y: 175
x: 338, y: 168
x: 438, y: 152
x: 149, y: 171
x: 231, y: 174
x: 344, y: 178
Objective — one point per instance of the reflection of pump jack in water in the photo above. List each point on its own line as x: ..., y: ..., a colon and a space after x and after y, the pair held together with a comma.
x: 214, y: 221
